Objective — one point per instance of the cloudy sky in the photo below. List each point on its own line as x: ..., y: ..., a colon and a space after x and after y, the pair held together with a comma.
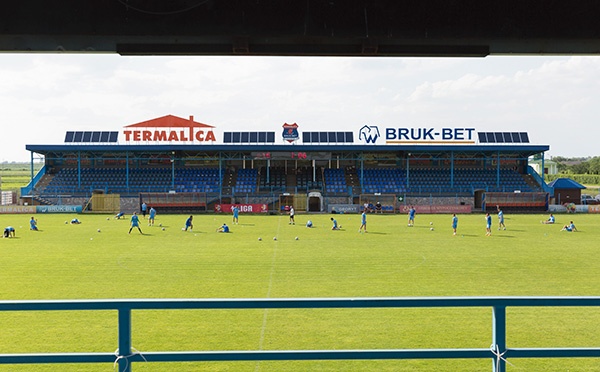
x: 555, y: 99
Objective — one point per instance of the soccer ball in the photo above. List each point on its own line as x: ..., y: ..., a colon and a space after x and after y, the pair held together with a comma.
x: 160, y: 224
x: 108, y: 219
x: 183, y: 229
x: 66, y: 222
x: 163, y: 229
x: 98, y: 230
x: 259, y: 239
x: 296, y: 238
x: 274, y: 238
x: 340, y: 226
x: 431, y: 223
x: 431, y: 229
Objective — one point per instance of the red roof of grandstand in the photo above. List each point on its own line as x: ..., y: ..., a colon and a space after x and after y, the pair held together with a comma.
x: 170, y: 121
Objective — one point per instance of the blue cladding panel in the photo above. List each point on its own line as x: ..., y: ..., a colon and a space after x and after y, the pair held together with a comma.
x: 69, y: 137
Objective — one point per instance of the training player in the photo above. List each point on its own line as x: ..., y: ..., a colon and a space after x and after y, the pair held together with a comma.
x: 570, y: 227
x: 501, y: 219
x: 223, y: 229
x: 152, y: 215
x: 488, y: 224
x: 411, y: 216
x: 188, y: 223
x: 363, y: 222
x: 550, y: 220
x: 135, y: 222
x: 144, y: 209
x: 33, y: 224
x: 335, y: 225
x: 236, y: 213
x: 454, y: 223
x: 9, y: 232
x: 292, y: 213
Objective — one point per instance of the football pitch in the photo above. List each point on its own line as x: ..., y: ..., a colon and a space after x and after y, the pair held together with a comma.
x: 98, y: 259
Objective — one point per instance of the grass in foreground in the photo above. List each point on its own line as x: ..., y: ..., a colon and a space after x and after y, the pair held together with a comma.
x: 66, y: 261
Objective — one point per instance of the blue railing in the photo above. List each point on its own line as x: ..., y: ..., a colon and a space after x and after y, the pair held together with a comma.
x: 498, y: 352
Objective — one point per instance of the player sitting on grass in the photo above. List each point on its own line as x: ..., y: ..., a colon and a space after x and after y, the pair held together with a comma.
x: 550, y: 220
x: 570, y: 227
x: 223, y: 229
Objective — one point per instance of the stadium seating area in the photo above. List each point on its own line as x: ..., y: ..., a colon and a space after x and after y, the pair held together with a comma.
x: 335, y: 180
x: 384, y: 180
x: 115, y: 180
x: 246, y: 181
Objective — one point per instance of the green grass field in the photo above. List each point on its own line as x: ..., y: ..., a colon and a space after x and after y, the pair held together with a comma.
x: 64, y: 261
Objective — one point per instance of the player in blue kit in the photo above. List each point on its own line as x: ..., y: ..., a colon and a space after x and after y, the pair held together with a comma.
x: 488, y: 224
x: 236, y: 213
x: 9, y: 232
x: 411, y: 216
x: 550, y: 220
x: 33, y: 224
x: 363, y: 222
x: 501, y: 219
x: 223, y: 229
x: 135, y: 222
x: 188, y: 223
x: 152, y: 215
x: 335, y: 224
x: 570, y: 227
x: 454, y: 223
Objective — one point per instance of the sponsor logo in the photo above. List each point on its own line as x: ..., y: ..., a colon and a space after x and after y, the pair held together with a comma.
x: 369, y: 133
x: 429, y: 135
x: 290, y: 132
x: 169, y: 129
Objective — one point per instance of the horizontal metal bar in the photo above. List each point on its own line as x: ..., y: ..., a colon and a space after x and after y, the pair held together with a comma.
x: 553, y: 353
x: 298, y: 303
x: 57, y: 358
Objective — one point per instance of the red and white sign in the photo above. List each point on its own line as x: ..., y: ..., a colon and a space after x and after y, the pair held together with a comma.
x: 438, y: 209
x: 169, y: 129
x: 244, y: 208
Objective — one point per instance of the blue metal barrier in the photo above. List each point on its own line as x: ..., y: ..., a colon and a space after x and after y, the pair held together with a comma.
x: 498, y: 352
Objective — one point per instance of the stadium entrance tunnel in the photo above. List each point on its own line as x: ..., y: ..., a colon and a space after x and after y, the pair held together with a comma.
x: 315, y: 202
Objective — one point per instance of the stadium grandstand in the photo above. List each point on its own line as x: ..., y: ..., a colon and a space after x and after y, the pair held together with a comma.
x: 179, y: 164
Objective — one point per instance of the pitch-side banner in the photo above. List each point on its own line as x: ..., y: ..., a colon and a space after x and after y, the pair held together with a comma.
x: 244, y: 208
x: 437, y: 209
x: 21, y: 209
x: 58, y: 208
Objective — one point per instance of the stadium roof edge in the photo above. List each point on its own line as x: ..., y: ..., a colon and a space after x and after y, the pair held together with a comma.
x: 522, y: 149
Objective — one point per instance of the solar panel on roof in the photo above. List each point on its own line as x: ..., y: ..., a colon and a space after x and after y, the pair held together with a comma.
x: 78, y: 136
x: 323, y: 137
x: 340, y: 137
x: 271, y: 137
x: 236, y: 137
x: 349, y: 137
x: 314, y: 137
x: 253, y: 137
x: 87, y: 136
x: 227, y: 137
x: 95, y: 137
x: 69, y: 137
x: 499, y: 137
x: 306, y: 137
x: 104, y: 136
x: 516, y: 138
x: 245, y: 137
x: 262, y: 136
x: 113, y: 136
x: 482, y: 137
x: 332, y: 137
x: 524, y: 137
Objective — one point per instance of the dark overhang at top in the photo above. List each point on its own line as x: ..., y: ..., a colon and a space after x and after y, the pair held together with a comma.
x: 523, y: 150
x: 302, y: 28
